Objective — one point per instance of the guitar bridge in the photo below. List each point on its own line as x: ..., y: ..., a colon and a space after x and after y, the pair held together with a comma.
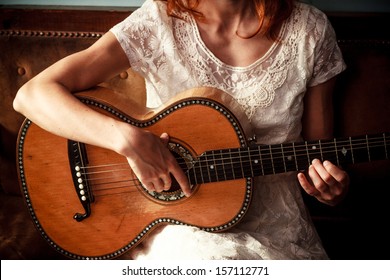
x: 78, y: 161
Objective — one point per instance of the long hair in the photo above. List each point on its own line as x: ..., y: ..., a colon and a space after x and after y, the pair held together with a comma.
x: 271, y: 12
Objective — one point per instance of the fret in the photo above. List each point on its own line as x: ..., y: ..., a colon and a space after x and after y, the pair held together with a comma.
x: 350, y: 145
x: 284, y: 158
x: 328, y: 150
x: 322, y: 155
x: 335, y: 148
x: 295, y: 157
x: 368, y: 149
x: 266, y: 159
x: 271, y: 159
x: 360, y: 152
x: 237, y: 165
x: 246, y: 162
x: 261, y: 160
x: 256, y: 161
x: 241, y: 162
x: 385, y: 145
x: 314, y: 151
x: 224, y: 159
x: 377, y: 151
x: 302, y: 156
x: 212, y: 167
x: 344, y: 153
x: 193, y: 174
x: 308, y: 156
x: 250, y: 162
x: 289, y: 157
x: 218, y: 167
x: 208, y: 167
x: 277, y: 159
x: 219, y: 160
x: 231, y: 164
x: 200, y: 170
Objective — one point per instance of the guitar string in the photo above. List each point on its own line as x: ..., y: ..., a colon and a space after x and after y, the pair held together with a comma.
x: 265, y: 148
x: 264, y: 152
x: 135, y: 182
x: 280, y: 160
x: 273, y: 156
x: 264, y: 157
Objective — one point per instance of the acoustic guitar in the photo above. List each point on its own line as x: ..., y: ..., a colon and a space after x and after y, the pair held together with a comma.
x: 87, y: 204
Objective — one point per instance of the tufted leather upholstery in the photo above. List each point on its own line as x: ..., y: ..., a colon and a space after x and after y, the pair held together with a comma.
x: 24, y: 54
x: 362, y: 105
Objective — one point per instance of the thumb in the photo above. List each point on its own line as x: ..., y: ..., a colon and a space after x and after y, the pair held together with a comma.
x: 164, y: 138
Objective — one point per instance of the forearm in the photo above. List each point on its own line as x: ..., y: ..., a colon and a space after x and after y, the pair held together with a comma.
x: 52, y: 107
x: 48, y: 101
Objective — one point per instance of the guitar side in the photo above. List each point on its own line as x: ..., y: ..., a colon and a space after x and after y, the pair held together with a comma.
x: 122, y: 212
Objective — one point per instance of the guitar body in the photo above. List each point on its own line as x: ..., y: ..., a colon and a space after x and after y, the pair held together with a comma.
x: 121, y: 213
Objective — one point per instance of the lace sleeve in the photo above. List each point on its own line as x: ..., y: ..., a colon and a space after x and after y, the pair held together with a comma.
x: 328, y: 60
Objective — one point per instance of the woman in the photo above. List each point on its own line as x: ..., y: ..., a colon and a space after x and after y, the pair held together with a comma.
x: 277, y: 59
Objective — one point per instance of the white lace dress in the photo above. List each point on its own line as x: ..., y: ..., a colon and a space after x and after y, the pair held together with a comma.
x: 172, y: 57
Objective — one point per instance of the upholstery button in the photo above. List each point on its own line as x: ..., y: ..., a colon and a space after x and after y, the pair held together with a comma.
x: 123, y: 75
x: 21, y: 71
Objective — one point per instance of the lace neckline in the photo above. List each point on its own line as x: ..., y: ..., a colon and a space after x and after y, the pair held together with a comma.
x: 222, y: 64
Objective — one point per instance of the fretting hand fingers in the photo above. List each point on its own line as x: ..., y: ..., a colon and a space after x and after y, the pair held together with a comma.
x: 325, y: 181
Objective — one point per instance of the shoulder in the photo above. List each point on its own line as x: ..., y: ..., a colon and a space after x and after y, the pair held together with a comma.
x: 147, y: 20
x: 152, y: 6
x: 306, y: 16
x: 310, y: 22
x: 309, y: 11
x: 151, y: 11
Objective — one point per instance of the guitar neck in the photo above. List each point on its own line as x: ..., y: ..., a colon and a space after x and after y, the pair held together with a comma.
x: 259, y: 160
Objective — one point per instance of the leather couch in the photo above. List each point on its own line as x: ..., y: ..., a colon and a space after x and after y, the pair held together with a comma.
x: 32, y: 39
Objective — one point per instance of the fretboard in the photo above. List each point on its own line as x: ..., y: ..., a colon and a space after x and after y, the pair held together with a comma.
x: 258, y: 160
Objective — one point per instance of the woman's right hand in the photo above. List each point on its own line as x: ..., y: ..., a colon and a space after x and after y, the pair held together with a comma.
x: 152, y: 162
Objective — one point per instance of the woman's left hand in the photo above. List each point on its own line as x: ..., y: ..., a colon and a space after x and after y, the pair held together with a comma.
x: 326, y: 182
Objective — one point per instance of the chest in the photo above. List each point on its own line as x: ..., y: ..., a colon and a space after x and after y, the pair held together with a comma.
x: 236, y: 51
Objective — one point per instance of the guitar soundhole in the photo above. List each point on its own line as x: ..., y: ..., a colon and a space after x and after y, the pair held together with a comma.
x: 185, y: 161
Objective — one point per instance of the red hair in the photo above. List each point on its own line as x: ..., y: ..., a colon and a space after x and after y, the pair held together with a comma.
x: 275, y: 11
